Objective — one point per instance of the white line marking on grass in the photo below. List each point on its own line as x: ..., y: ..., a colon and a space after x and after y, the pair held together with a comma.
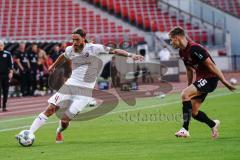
x: 168, y: 103
x: 16, y: 119
x: 141, y: 108
x: 21, y: 127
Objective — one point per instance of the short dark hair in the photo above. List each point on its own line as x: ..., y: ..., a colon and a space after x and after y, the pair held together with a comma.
x: 177, y: 31
x: 80, y: 31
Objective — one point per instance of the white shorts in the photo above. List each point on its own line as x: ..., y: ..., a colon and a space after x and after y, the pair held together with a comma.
x: 73, y: 103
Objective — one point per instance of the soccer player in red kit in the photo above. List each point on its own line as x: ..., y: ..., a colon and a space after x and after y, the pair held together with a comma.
x: 196, y: 57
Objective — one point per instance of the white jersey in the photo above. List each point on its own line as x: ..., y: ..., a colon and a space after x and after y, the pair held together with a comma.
x: 85, y: 65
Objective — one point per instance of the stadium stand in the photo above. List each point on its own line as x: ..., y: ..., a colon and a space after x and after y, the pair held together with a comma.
x: 230, y: 6
x: 50, y: 20
x: 148, y: 16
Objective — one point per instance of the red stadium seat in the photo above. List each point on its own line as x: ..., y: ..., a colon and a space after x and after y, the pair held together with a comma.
x: 104, y: 4
x: 69, y: 14
x: 230, y: 6
x: 96, y: 2
x: 111, y: 5
x: 117, y: 9
x: 161, y: 27
x: 124, y: 12
x: 139, y: 20
x: 154, y: 26
x: 132, y: 16
x: 146, y: 24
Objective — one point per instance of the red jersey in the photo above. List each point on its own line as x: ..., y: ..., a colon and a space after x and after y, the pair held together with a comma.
x: 194, y: 55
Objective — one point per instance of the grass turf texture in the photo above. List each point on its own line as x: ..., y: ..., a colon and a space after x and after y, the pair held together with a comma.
x: 133, y: 133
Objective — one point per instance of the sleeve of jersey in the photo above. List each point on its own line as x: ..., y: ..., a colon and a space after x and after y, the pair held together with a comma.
x: 68, y: 53
x: 101, y: 49
x: 199, y: 54
x: 10, y: 62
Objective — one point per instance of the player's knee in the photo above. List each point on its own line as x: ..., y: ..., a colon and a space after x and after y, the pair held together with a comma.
x: 194, y: 113
x: 64, y: 123
x: 50, y: 110
x: 185, y: 95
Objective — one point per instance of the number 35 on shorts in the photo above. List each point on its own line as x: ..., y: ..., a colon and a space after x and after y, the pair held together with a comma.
x: 201, y: 82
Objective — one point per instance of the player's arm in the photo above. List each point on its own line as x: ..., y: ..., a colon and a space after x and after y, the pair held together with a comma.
x: 200, y: 54
x: 121, y: 52
x: 10, y: 67
x: 59, y: 61
x: 189, y: 72
x: 214, y: 69
x: 19, y: 64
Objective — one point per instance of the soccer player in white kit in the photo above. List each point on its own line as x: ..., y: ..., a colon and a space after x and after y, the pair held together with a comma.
x: 84, y: 75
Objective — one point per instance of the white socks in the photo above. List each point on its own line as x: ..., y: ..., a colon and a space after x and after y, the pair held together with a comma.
x: 38, y: 122
x: 59, y: 129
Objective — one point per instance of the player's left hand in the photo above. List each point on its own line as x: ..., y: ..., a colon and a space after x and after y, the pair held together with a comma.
x: 230, y: 87
x: 136, y: 57
x: 51, y: 68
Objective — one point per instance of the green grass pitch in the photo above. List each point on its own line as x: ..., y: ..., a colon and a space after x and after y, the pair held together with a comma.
x: 143, y: 132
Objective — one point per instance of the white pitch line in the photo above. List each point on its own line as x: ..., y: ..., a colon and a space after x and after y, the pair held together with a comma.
x: 152, y: 106
x: 16, y: 119
x: 168, y: 103
x: 25, y: 110
x: 21, y: 127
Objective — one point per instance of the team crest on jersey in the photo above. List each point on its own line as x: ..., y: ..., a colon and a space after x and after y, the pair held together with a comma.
x: 86, y: 54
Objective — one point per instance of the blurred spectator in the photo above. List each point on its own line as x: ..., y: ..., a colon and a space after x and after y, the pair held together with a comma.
x: 115, y: 75
x: 42, y: 58
x: 110, y: 69
x: 62, y: 47
x: 55, y: 53
x: 23, y: 64
x: 146, y: 75
x: 15, y: 82
x: 6, y: 74
x: 136, y: 74
x: 164, y: 54
x: 33, y: 58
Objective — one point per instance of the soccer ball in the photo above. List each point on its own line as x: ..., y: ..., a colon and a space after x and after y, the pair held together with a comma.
x: 26, y: 138
x: 233, y: 81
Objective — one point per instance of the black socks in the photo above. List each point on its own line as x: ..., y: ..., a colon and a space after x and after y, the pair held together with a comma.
x: 202, y: 117
x: 187, y: 113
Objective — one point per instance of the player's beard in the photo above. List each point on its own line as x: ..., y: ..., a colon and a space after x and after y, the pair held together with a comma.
x: 175, y: 46
x: 79, y: 48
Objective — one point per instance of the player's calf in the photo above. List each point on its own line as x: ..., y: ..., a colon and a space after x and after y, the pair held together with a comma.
x: 63, y: 124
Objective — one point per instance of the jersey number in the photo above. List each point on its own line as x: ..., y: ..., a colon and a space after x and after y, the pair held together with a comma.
x: 202, y: 82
